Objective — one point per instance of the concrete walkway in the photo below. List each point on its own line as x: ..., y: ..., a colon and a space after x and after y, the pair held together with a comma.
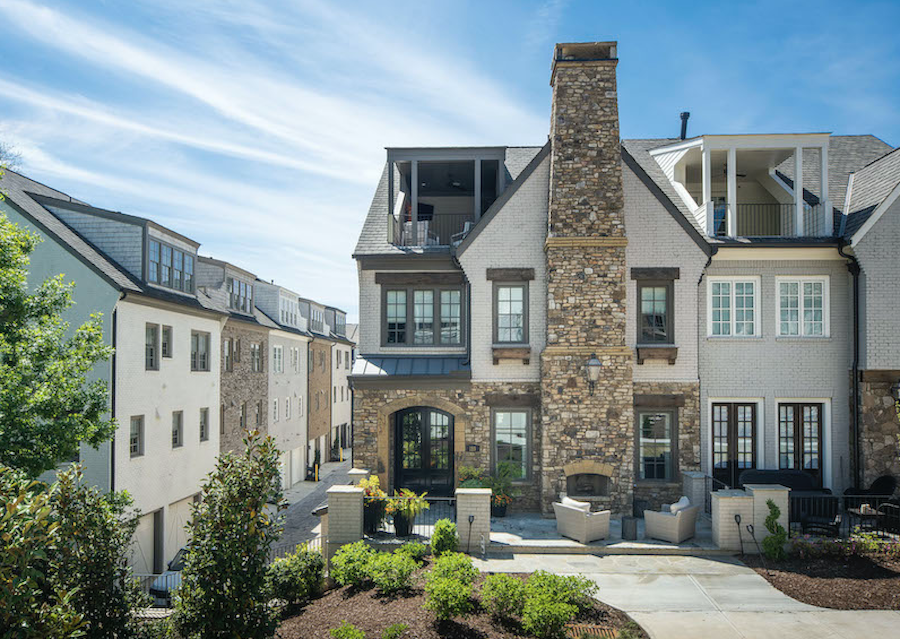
x: 681, y: 597
x: 299, y: 523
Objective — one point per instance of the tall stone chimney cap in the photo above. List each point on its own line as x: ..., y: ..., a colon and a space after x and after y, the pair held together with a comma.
x: 581, y: 52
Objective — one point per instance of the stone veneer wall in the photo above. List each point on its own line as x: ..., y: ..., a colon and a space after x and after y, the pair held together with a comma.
x: 243, y: 385
x: 586, y: 281
x: 880, y: 427
x: 654, y: 493
x: 470, y: 405
x: 320, y: 395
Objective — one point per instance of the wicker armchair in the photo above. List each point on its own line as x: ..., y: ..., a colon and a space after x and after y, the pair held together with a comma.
x: 672, y: 528
x: 581, y: 525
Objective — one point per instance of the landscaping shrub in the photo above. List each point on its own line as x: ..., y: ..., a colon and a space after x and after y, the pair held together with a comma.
x: 570, y: 589
x: 857, y: 545
x: 447, y: 597
x: 391, y: 572
x: 153, y: 629
x: 414, y: 551
x: 546, y: 617
x: 503, y: 596
x: 773, y: 545
x: 296, y: 577
x: 456, y: 566
x: 347, y: 631
x: 444, y: 539
x: 350, y: 564
x: 394, y: 631
x: 630, y: 631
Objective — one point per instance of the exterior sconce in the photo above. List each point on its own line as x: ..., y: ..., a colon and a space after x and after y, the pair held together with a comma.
x: 593, y: 371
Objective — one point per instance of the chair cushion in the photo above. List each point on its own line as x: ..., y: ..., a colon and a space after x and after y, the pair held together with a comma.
x: 681, y: 504
x: 581, y: 505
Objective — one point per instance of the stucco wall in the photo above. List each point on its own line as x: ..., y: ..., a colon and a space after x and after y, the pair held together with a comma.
x: 289, y: 385
x: 770, y: 368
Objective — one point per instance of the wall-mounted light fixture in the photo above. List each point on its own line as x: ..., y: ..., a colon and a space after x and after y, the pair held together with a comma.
x: 593, y: 371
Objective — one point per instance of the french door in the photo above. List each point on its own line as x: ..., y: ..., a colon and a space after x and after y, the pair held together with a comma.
x: 424, y: 450
x: 800, y: 438
x: 733, y: 440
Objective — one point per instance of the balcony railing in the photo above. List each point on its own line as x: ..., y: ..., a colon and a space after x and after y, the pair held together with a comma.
x: 437, y: 231
x: 771, y: 220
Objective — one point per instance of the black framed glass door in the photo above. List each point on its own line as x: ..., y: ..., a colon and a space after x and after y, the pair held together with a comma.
x: 800, y: 438
x: 733, y: 441
x: 424, y: 450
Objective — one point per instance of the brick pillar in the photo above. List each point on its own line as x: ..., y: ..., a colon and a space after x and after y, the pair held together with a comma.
x: 761, y: 493
x: 476, y: 502
x: 725, y: 505
x: 694, y: 487
x: 345, y: 517
x: 358, y: 474
x: 586, y: 280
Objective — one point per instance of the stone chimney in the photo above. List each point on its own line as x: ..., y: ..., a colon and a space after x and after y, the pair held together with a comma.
x: 586, y: 283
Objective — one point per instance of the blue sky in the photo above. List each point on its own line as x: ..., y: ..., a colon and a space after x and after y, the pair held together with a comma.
x: 258, y: 127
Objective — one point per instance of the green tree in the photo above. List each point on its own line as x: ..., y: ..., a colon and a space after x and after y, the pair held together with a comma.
x: 95, y: 534
x: 223, y: 589
x: 31, y: 607
x: 46, y: 405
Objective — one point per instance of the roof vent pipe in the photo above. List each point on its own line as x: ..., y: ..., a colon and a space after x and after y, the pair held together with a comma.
x: 684, y: 118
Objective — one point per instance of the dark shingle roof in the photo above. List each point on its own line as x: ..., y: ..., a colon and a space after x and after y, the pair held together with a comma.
x: 871, y: 185
x: 373, y: 237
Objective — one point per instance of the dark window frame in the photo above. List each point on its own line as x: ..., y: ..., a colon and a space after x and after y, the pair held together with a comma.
x: 200, y: 358
x: 669, y: 286
x: 529, y: 437
x: 495, y: 319
x: 673, y: 413
x: 798, y: 437
x: 140, y: 436
x: 156, y: 250
x: 204, y: 424
x: 151, y: 358
x: 436, y: 318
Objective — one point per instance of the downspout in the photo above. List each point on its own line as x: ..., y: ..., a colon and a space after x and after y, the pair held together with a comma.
x: 853, y: 267
x: 700, y: 323
x: 112, y: 394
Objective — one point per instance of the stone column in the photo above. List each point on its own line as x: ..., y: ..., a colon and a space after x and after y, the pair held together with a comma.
x: 761, y: 493
x: 474, y: 502
x: 345, y: 517
x: 725, y: 505
x: 586, y: 278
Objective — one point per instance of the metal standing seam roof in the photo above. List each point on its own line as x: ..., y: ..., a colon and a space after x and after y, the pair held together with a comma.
x: 384, y: 366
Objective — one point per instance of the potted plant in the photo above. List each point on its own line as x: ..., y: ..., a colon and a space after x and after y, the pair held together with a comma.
x: 501, y: 487
x: 403, y: 507
x: 499, y: 502
x: 374, y: 504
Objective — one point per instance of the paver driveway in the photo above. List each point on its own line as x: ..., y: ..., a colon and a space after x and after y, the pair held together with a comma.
x: 678, y: 597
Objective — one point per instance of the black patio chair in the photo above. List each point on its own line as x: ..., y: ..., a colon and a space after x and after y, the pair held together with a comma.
x: 817, y: 513
x: 889, y: 517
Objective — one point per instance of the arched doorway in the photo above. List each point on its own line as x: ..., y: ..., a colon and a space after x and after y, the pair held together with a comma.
x: 423, y: 440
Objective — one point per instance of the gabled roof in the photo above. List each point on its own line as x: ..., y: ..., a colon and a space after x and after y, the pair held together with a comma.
x: 373, y: 237
x: 869, y: 188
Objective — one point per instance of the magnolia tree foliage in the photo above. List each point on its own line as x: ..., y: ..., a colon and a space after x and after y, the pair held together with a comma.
x: 223, y: 589
x: 46, y: 405
x: 96, y: 531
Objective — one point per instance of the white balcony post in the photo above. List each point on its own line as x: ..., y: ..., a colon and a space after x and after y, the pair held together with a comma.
x: 732, y: 192
x: 477, y: 189
x: 414, y: 201
x: 824, y: 201
x: 707, y: 189
x: 798, y: 192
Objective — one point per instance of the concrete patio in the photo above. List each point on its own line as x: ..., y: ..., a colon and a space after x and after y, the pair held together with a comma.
x: 531, y: 533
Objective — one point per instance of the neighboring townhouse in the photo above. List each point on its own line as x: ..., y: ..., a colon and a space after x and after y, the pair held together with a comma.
x: 244, y: 352
x: 341, y: 404
x: 288, y: 377
x: 604, y: 315
x: 319, y: 384
x: 163, y: 378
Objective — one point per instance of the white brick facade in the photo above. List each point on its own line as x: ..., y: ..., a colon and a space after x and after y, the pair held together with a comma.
x: 289, y: 387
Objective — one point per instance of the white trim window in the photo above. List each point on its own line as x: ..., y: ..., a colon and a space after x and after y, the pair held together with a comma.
x: 733, y: 307
x: 275, y: 410
x: 802, y: 306
x: 287, y: 408
x: 278, y: 359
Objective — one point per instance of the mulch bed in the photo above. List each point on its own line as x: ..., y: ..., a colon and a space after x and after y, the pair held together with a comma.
x: 373, y: 613
x: 851, y: 583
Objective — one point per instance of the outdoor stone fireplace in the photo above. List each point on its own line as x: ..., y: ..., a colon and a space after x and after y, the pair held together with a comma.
x: 587, y: 480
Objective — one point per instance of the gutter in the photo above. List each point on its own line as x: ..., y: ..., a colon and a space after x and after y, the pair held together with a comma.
x: 853, y: 267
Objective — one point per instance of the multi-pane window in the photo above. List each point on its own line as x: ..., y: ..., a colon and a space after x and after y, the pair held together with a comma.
x: 733, y: 307
x: 136, y: 436
x: 199, y: 351
x: 260, y: 411
x: 512, y: 441
x: 255, y: 357
x: 800, y: 437
x: 204, y: 424
x: 226, y: 355
x: 287, y: 408
x: 170, y: 267
x: 177, y: 429
x: 396, y: 317
x: 338, y: 359
x: 151, y: 347
x: 510, y: 314
x: 802, y: 307
x: 451, y: 314
x: 167, y: 341
x: 278, y: 359
x: 347, y: 361
x: 242, y: 419
x: 655, y: 300
x: 275, y: 410
x: 240, y: 294
x: 423, y: 317
x: 655, y: 445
